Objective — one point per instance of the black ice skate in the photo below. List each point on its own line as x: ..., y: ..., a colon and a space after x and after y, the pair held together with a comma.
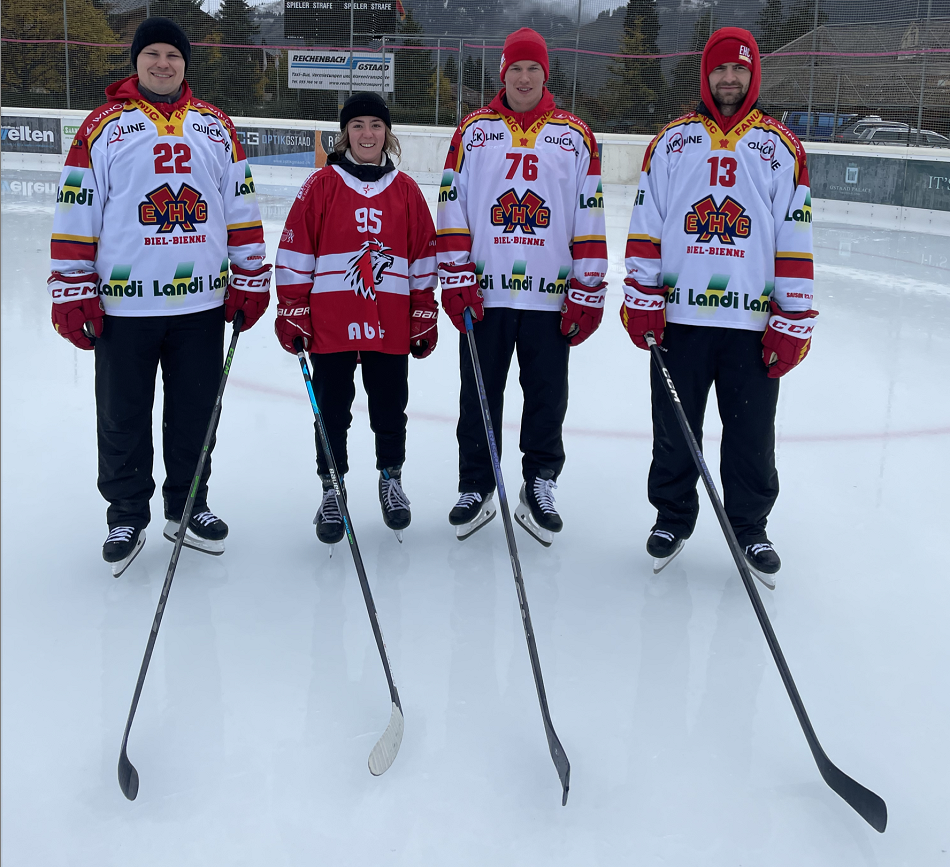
x: 329, y: 518
x: 663, y: 546
x: 206, y: 532
x: 535, y: 511
x: 764, y: 562
x: 121, y: 547
x: 472, y: 512
x: 393, y: 501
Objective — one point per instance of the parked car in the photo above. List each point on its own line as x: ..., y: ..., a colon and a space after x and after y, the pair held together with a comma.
x: 823, y: 123
x: 886, y: 135
x: 858, y: 129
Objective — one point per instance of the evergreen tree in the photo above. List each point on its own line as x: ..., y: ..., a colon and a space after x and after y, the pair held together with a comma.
x: 683, y: 93
x: 559, y: 84
x: 414, y: 73
x: 634, y: 88
x: 31, y: 70
x: 770, y: 26
x: 238, y: 75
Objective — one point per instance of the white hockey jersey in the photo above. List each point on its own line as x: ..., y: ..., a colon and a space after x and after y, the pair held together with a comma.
x: 156, y: 201
x: 524, y: 203
x: 723, y: 221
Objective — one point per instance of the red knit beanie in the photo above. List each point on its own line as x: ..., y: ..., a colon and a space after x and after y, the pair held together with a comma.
x: 729, y: 51
x: 524, y: 45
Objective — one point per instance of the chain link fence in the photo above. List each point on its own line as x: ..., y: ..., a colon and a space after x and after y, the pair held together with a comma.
x: 630, y: 68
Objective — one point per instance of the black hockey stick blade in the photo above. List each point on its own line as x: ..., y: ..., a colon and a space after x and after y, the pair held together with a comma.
x: 869, y: 806
x: 128, y: 776
x: 561, y: 764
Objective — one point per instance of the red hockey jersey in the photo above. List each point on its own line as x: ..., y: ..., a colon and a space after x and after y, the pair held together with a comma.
x: 363, y: 254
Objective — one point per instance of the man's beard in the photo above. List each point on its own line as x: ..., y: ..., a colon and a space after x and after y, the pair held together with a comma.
x: 729, y: 99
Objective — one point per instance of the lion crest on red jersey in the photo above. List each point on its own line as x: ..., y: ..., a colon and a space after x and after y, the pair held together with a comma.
x: 367, y: 268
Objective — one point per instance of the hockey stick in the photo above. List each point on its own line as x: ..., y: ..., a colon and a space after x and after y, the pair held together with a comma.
x: 384, y: 753
x: 561, y: 762
x: 128, y: 776
x: 870, y: 806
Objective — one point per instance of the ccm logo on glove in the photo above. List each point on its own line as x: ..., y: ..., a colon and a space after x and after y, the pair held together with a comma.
x: 466, y: 278
x: 61, y: 292
x: 259, y: 284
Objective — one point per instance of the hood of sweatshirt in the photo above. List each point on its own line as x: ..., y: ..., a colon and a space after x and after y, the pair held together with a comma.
x: 708, y: 103
x: 128, y: 88
x: 523, y: 118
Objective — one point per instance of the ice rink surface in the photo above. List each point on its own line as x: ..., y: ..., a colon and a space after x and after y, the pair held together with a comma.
x: 266, y: 693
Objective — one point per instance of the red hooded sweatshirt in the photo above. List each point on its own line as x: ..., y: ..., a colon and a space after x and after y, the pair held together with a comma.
x: 730, y: 45
x: 128, y: 88
x: 524, y: 118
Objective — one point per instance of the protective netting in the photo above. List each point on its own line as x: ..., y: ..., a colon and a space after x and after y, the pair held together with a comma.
x: 631, y: 68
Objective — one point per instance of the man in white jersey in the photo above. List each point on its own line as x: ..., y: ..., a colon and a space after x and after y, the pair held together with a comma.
x: 521, y: 243
x: 719, y: 270
x: 156, y: 199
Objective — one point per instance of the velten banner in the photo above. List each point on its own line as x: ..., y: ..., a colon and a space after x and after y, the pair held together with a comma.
x: 30, y: 187
x: 337, y: 70
x: 278, y: 146
x: 35, y: 135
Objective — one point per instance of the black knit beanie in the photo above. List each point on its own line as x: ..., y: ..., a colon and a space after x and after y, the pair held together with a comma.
x: 153, y: 30
x: 364, y: 105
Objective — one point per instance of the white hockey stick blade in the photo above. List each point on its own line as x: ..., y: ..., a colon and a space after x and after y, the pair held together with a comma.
x: 660, y: 563
x: 524, y: 517
x: 120, y: 566
x: 206, y: 546
x: 485, y: 514
x: 384, y: 753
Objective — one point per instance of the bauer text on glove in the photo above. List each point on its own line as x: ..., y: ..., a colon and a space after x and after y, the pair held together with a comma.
x: 293, y: 322
x: 424, y: 329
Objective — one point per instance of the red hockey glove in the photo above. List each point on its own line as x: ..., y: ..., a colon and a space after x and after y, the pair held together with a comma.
x: 293, y: 322
x: 460, y: 289
x: 423, y: 327
x: 248, y: 291
x: 787, y: 339
x: 76, y: 302
x: 582, y: 311
x: 644, y: 310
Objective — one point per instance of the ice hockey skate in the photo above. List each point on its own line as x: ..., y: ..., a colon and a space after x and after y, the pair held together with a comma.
x: 535, y: 511
x: 206, y: 532
x: 471, y: 512
x: 763, y: 562
x: 329, y: 518
x: 663, y: 546
x: 393, y: 501
x: 121, y: 547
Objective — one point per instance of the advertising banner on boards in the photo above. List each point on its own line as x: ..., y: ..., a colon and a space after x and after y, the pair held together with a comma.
x: 330, y: 70
x: 34, y: 135
x: 278, y: 146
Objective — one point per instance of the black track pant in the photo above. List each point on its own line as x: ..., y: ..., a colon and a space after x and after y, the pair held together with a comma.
x: 386, y: 380
x: 543, y: 360
x: 189, y: 349
x: 697, y: 357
